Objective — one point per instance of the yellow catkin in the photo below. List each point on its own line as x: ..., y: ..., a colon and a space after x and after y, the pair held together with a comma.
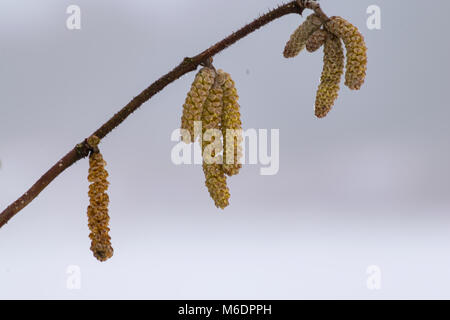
x: 333, y: 67
x: 298, y: 39
x: 231, y: 124
x: 215, y: 179
x: 216, y: 182
x: 316, y: 40
x: 196, y: 97
x: 98, y: 218
x: 356, y: 51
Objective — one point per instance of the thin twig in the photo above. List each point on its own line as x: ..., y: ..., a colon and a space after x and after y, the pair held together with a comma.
x: 82, y: 149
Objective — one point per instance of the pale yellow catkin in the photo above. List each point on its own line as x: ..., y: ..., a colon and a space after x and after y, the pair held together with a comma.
x: 215, y: 179
x: 196, y: 97
x: 316, y: 40
x: 98, y: 217
x: 216, y: 182
x: 356, y: 51
x: 333, y: 68
x: 299, y: 37
x: 231, y: 126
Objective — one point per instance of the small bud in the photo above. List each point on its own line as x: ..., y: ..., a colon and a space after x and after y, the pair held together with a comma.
x: 298, y: 39
x: 356, y: 51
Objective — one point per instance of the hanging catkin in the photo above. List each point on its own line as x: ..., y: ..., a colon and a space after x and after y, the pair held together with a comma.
x: 215, y: 179
x: 196, y: 97
x: 333, y: 67
x: 98, y: 218
x: 356, y: 51
x: 298, y: 39
x: 316, y: 40
x: 231, y: 127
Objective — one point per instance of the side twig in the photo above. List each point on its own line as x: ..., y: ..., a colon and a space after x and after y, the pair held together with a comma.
x: 82, y: 149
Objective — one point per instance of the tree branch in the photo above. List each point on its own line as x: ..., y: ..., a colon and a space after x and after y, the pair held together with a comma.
x: 82, y: 149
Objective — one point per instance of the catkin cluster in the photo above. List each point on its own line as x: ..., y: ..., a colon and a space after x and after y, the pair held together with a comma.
x: 297, y: 41
x: 313, y: 34
x: 98, y: 218
x: 219, y: 112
